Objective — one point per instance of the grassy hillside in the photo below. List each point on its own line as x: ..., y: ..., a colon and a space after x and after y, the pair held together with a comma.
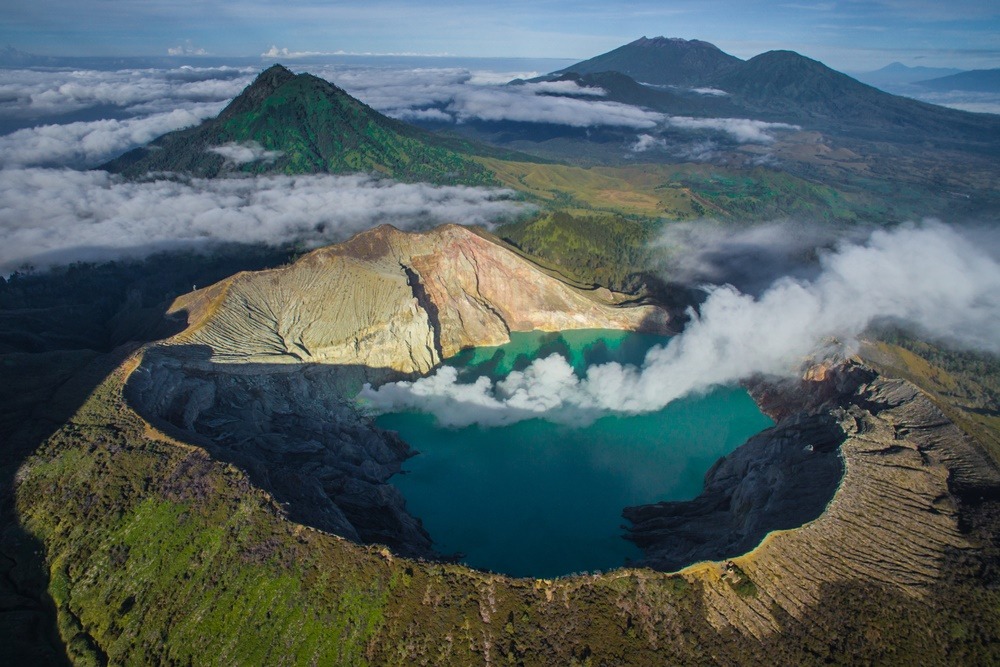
x: 599, y: 248
x: 691, y: 191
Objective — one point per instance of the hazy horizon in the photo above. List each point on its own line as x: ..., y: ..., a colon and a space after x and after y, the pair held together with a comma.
x: 846, y: 35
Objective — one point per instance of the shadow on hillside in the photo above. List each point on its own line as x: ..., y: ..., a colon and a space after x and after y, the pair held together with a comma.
x: 44, y: 391
x: 290, y: 429
x: 61, y: 333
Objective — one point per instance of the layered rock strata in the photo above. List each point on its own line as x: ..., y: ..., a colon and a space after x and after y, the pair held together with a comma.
x: 394, y: 301
x: 894, y: 517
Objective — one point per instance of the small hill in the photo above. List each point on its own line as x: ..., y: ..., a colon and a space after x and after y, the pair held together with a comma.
x: 661, y: 61
x: 977, y: 81
x: 296, y: 124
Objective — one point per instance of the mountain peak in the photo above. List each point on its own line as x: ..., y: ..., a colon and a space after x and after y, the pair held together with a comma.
x: 262, y: 87
x: 661, y: 60
x: 674, y: 43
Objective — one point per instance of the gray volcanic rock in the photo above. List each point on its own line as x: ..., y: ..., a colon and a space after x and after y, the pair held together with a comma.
x: 777, y: 480
x: 895, y: 517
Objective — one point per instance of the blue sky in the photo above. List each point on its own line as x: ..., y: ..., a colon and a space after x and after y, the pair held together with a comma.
x: 848, y: 35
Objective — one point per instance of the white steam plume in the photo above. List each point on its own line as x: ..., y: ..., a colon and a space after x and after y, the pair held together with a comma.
x: 929, y: 277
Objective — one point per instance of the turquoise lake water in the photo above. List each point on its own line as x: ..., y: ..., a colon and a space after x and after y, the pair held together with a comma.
x: 541, y: 499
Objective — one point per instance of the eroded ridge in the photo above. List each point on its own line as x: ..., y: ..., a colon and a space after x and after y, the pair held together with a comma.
x: 893, y: 520
x: 397, y: 301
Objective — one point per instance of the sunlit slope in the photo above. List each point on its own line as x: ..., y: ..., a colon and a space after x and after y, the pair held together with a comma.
x: 300, y: 124
x: 689, y: 191
x: 395, y: 300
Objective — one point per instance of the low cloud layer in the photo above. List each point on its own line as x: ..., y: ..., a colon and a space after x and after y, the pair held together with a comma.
x: 55, y: 216
x: 928, y: 277
x: 246, y: 152
x: 38, y: 94
x: 88, y: 144
x: 459, y: 95
x: 743, y: 130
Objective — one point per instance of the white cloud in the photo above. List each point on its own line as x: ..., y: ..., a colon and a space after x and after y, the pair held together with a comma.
x: 963, y: 100
x: 186, y: 49
x: 54, y: 216
x: 928, y: 277
x: 711, y: 92
x: 246, y: 152
x: 459, y: 95
x: 563, y: 88
x: 512, y: 105
x: 86, y: 144
x: 699, y: 151
x: 647, y: 142
x: 37, y: 94
x: 423, y: 115
x: 285, y: 52
x: 743, y: 130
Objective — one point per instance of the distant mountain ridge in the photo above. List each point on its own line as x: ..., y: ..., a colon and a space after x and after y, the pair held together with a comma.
x: 780, y: 86
x: 288, y: 123
x: 897, y: 73
x: 977, y: 80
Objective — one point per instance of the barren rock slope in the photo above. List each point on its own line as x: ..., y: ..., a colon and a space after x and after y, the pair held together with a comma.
x: 395, y: 301
x: 893, y: 519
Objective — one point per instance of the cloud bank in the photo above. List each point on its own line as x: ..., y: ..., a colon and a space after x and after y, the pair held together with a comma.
x: 743, y: 130
x: 87, y: 144
x: 927, y: 277
x: 38, y: 94
x: 460, y: 95
x: 55, y: 216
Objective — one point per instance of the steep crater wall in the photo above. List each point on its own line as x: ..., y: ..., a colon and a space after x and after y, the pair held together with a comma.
x: 896, y: 517
x: 265, y: 372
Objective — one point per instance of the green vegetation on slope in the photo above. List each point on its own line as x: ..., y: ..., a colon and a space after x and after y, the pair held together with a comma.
x: 692, y: 191
x: 309, y: 126
x: 600, y: 249
x: 158, y: 555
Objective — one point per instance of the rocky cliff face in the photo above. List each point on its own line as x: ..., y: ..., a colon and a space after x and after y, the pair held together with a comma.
x: 395, y: 302
x: 263, y: 375
x: 893, y: 518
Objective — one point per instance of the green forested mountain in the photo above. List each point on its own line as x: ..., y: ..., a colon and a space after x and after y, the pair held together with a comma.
x: 296, y: 124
